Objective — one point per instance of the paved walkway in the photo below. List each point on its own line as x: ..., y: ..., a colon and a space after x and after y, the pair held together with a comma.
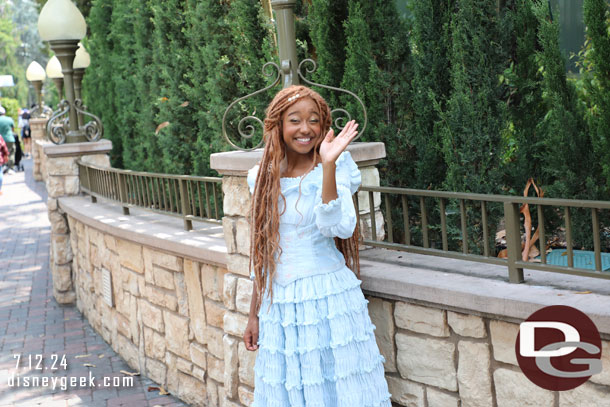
x: 35, y: 326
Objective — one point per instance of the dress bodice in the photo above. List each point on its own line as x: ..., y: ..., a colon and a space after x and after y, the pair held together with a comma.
x: 308, y: 226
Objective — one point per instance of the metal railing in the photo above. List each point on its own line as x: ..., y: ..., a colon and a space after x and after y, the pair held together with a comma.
x: 414, y: 207
x: 187, y: 197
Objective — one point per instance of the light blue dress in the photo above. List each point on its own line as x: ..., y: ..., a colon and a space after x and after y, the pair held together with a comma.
x: 316, y: 342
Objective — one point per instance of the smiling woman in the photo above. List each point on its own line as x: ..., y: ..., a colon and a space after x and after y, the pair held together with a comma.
x: 308, y: 317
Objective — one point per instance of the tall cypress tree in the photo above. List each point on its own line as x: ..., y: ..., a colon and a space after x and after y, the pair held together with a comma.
x: 526, y: 109
x: 597, y: 80
x: 431, y: 87
x: 98, y: 89
x: 471, y: 126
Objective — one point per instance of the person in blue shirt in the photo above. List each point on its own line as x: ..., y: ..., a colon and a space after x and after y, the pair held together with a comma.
x: 308, y: 317
x: 7, y: 126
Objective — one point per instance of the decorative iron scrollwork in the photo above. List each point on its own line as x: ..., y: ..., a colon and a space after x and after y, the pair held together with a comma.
x: 94, y: 130
x: 58, y: 127
x: 342, y: 120
x: 247, y: 131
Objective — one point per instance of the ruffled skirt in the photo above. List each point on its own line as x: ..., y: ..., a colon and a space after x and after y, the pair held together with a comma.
x: 317, y: 347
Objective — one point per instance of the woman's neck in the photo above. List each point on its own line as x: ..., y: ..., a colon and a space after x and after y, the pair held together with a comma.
x: 297, y: 164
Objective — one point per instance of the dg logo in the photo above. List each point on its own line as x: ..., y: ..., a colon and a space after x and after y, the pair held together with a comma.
x: 559, y: 348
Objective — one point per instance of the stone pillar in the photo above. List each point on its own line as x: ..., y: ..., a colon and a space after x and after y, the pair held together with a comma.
x: 63, y: 180
x: 237, y: 287
x: 39, y: 140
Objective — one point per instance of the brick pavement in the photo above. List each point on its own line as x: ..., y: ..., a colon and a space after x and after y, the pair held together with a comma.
x: 34, y: 325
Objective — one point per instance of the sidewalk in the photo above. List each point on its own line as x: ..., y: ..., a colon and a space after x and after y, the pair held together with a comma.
x: 35, y: 326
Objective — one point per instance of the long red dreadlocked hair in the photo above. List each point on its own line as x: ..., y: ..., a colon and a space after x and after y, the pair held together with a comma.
x: 264, y: 212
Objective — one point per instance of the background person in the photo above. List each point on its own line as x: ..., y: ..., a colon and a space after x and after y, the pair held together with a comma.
x: 3, y: 160
x: 7, y: 125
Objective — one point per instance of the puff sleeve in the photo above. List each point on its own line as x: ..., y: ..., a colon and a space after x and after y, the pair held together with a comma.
x: 337, y: 218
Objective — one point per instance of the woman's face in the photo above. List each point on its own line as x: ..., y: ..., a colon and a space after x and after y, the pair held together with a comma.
x: 301, y: 126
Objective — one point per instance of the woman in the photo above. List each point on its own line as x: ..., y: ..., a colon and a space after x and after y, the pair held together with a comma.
x: 308, y: 317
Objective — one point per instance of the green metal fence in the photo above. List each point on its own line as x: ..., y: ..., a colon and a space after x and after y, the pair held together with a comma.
x: 188, y: 197
x: 415, y: 206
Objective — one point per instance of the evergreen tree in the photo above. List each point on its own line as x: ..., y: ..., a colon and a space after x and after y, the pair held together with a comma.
x: 475, y: 116
x: 568, y: 163
x: 597, y: 80
x: 377, y: 68
x: 526, y: 109
x: 98, y: 89
x: 326, y: 19
x: 431, y: 87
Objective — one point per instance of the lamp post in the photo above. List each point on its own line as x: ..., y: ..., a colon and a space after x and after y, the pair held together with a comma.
x: 35, y: 74
x: 81, y: 61
x: 54, y: 72
x: 63, y: 26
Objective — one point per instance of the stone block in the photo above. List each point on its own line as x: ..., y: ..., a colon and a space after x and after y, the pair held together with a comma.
x: 198, y: 373
x: 242, y: 236
x: 235, y: 324
x: 184, y: 366
x: 239, y: 264
x: 243, y: 295
x: 183, y: 305
x: 163, y: 278
x: 192, y: 390
x: 236, y: 200
x: 473, y: 374
x: 503, y: 339
x: 62, y: 277
x: 128, y: 351
x: 72, y: 185
x: 62, y: 166
x: 61, y: 249
x: 156, y: 371
x: 176, y: 334
x: 195, y: 299
x: 151, y: 316
x: 161, y: 297
x: 246, y: 364
x: 110, y: 243
x: 212, y: 278
x: 154, y: 344
x: 406, y: 393
x: 381, y: 315
x: 198, y: 355
x: 52, y: 204
x: 102, y: 160
x: 421, y: 319
x: 513, y: 389
x: 231, y: 362
x: 228, y: 229
x: 586, y: 394
x: 130, y: 255
x: 427, y: 360
x: 466, y: 325
x: 212, y: 390
x: 438, y: 398
x: 229, y: 290
x: 162, y: 259
x: 216, y: 369
x: 66, y: 297
x: 123, y: 325
x: 214, y: 313
x: 59, y: 225
x: 55, y: 186
x: 246, y: 396
x: 214, y: 342
x: 370, y: 177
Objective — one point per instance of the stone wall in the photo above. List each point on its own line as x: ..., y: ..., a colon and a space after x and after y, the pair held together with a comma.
x: 436, y: 357
x: 62, y: 179
x: 174, y: 319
